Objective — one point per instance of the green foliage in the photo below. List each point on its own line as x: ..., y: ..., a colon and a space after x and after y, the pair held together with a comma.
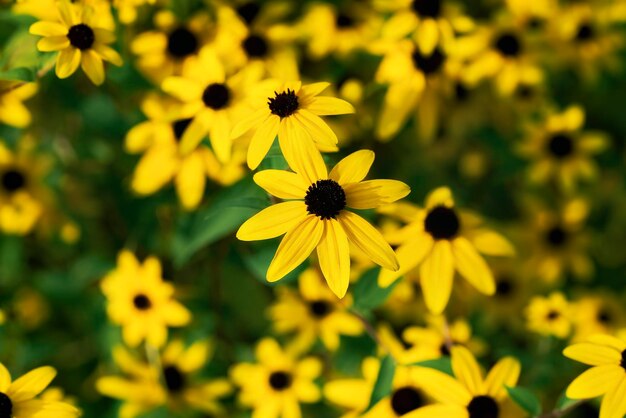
x: 526, y: 399
x: 384, y: 381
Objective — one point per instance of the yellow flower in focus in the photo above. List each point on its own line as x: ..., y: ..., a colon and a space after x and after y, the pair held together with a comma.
x: 315, y: 215
x: 470, y: 394
x: 440, y: 239
x: 360, y: 389
x: 81, y: 38
x: 141, y: 302
x: 551, y: 315
x: 19, y: 398
x: 293, y: 113
x: 213, y: 100
x: 276, y: 385
x: 560, y: 149
x: 314, y: 312
x: 606, y: 377
x: 12, y: 109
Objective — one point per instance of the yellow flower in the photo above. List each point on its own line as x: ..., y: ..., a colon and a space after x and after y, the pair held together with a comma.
x: 550, y: 316
x: 141, y: 302
x: 19, y: 398
x: 597, y: 314
x: 30, y: 308
x: 606, y: 378
x: 81, y: 39
x: 436, y: 339
x: 353, y: 394
x: 12, y: 110
x: 471, y: 395
x: 314, y: 312
x: 561, y: 150
x: 440, y: 239
x: 293, y: 113
x: 276, y: 385
x: 316, y: 217
x: 212, y: 99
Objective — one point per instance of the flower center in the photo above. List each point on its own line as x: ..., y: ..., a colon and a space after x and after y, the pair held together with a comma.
x: 556, y: 236
x: 179, y: 127
x: 427, y: 8
x: 461, y: 92
x: 6, y: 406
x: 216, y: 96
x: 405, y: 400
x: 325, y: 198
x: 142, y: 302
x: 483, y: 407
x: 284, y: 103
x: 344, y: 21
x: 280, y: 380
x: 585, y: 32
x: 81, y: 36
x: 319, y: 308
x: 255, y: 46
x: 428, y: 64
x: 604, y: 316
x: 442, y: 222
x: 552, y: 315
x: 12, y: 180
x: 504, y: 287
x: 524, y: 91
x: 181, y: 42
x: 444, y: 350
x: 508, y: 44
x: 248, y: 11
x: 623, y: 360
x: 174, y: 379
x: 560, y: 145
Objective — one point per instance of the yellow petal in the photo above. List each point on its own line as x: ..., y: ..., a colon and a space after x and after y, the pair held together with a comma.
x: 609, y: 341
x: 182, y: 88
x: 295, y: 247
x: 66, y: 13
x: 592, y: 354
x: 441, y: 196
x: 195, y: 132
x: 436, y: 274
x: 491, y: 243
x: 315, y: 127
x: 273, y: 221
x: 614, y: 402
x: 505, y: 373
x: 329, y: 106
x: 31, y: 384
x: 472, y: 266
x: 282, y: 184
x: 53, y: 43
x: 595, y: 382
x: 399, y: 102
x: 374, y: 193
x: 334, y: 257
x: 253, y: 120
x: 93, y: 66
x: 466, y: 369
x: 108, y: 54
x: 262, y: 140
x: 427, y: 36
x: 190, y: 181
x: 367, y: 238
x: 440, y: 410
x: 353, y: 168
x: 48, y: 29
x: 68, y: 61
x: 443, y: 387
x: 409, y: 254
x: 195, y: 356
x: 219, y: 135
x: 301, y: 153
x: 311, y: 90
x: 5, y: 378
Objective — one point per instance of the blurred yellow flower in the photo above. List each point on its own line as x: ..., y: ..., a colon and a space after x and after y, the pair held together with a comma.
x: 360, y: 389
x: 12, y: 109
x: 550, y: 315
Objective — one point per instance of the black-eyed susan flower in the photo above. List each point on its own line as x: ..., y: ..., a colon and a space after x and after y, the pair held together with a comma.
x: 606, y: 377
x: 81, y: 38
x: 316, y: 215
x: 12, y: 109
x: 313, y: 313
x: 19, y: 398
x: 438, y: 337
x: 550, y: 315
x: 471, y: 395
x: 141, y: 302
x: 440, y: 239
x: 360, y: 389
x: 561, y: 151
x: 212, y: 99
x: 278, y: 383
x: 600, y: 313
x: 292, y: 112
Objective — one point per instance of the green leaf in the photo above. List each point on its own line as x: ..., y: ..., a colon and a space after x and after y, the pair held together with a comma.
x: 443, y: 364
x: 366, y: 292
x: 384, y: 381
x: 525, y: 399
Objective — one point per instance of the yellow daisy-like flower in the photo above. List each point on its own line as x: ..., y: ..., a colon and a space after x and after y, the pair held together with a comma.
x: 12, y: 109
x: 293, y: 113
x: 313, y: 313
x: 471, y: 395
x: 440, y: 239
x: 436, y: 339
x: 550, y: 316
x: 213, y: 99
x: 561, y: 150
x: 597, y: 314
x: 353, y: 394
x: 316, y: 217
x: 606, y: 378
x: 18, y: 398
x: 81, y: 38
x: 276, y: 385
x: 141, y: 302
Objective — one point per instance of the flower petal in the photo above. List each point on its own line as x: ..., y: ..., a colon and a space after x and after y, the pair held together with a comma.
x: 282, y: 184
x: 595, y: 382
x: 262, y: 140
x: 472, y: 266
x: 592, y: 354
x: 374, y: 193
x: 614, y: 402
x: 316, y: 127
x: 334, y: 257
x: 31, y: 384
x: 5, y: 378
x: 466, y: 369
x: 505, y: 373
x: 301, y: 153
x: 273, y: 221
x: 68, y: 61
x: 93, y: 66
x: 443, y: 388
x: 410, y: 255
x: 313, y: 89
x: 329, y: 106
x: 48, y: 29
x: 367, y: 238
x: 441, y: 196
x: 252, y: 120
x: 353, y: 168
x: 190, y: 181
x: 53, y: 43
x: 492, y: 243
x: 437, y: 273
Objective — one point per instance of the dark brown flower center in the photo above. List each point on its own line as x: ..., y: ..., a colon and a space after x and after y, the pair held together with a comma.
x: 181, y: 43
x: 428, y: 64
x: 344, y: 21
x: 142, y: 302
x: 405, y: 400
x: 174, y: 378
x: 325, y: 198
x: 560, y: 145
x: 585, y: 32
x: 12, y: 180
x: 604, y: 316
x: 6, y: 406
x: 483, y: 407
x: 319, y: 308
x: 556, y: 236
x: 508, y: 44
x: 280, y: 380
x: 248, y: 11
x: 427, y: 8
x: 81, y: 36
x: 442, y: 222
x: 504, y: 287
x: 180, y: 126
x: 623, y: 360
x: 283, y: 104
x: 255, y: 46
x: 216, y: 96
x: 552, y: 315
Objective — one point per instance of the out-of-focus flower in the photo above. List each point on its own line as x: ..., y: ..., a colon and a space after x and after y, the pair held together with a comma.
x: 276, y: 385
x: 550, y: 315
x: 12, y: 109
x: 30, y: 308
x: 435, y: 340
x: 360, y: 389
x: 597, y: 314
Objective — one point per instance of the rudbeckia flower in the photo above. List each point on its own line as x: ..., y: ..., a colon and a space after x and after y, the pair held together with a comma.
x: 141, y: 302
x: 293, y: 113
x: 551, y: 315
x: 213, y: 100
x: 276, y: 385
x: 12, y: 109
x: 316, y: 214
x: 314, y: 312
x: 440, y: 239
x: 471, y: 395
x: 597, y: 314
x: 606, y: 378
x: 81, y: 38
x: 18, y: 398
